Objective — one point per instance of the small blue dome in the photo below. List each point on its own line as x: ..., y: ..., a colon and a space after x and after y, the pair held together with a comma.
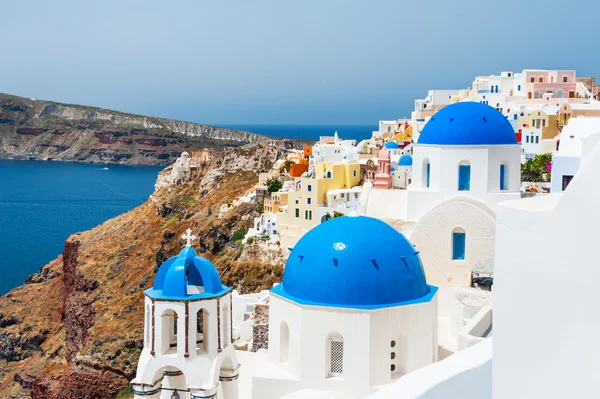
x: 406, y: 160
x: 391, y: 145
x: 354, y: 262
x: 187, y: 276
x: 468, y: 123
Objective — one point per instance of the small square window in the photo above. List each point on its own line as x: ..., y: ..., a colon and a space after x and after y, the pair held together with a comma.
x: 565, y: 79
x: 532, y: 80
x: 541, y: 80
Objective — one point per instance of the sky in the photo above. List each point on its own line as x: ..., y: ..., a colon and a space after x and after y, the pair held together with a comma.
x: 281, y: 62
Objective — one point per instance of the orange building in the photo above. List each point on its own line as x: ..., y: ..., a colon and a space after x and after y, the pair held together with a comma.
x: 307, y: 151
x: 296, y: 169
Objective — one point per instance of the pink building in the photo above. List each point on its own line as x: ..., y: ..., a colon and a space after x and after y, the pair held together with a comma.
x: 383, y: 177
x: 561, y: 84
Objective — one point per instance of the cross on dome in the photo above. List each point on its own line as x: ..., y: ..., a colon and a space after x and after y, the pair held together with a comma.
x: 189, y: 237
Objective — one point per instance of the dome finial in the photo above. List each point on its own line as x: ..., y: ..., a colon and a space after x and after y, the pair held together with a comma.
x: 189, y: 237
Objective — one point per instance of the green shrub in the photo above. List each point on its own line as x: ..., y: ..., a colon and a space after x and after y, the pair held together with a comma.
x: 125, y: 393
x: 238, y: 235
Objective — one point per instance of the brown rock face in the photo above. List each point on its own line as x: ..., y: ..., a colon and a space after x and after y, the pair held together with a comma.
x: 78, y: 314
x: 75, y: 330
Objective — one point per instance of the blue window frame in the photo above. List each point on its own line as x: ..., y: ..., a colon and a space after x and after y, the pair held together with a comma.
x: 309, y: 187
x: 458, y: 246
x: 464, y: 177
x: 428, y: 177
x: 519, y: 88
x: 515, y: 117
x: 537, y: 139
x: 329, y: 175
x: 354, y: 172
x: 527, y: 139
x: 502, y: 177
x: 496, y: 88
x: 308, y: 201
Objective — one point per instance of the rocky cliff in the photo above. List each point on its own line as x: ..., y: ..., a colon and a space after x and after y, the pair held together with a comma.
x: 75, y: 329
x: 34, y: 129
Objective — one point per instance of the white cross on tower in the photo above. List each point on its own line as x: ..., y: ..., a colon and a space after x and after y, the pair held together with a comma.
x: 189, y: 237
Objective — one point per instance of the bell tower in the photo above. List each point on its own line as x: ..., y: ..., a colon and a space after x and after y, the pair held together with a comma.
x: 188, y: 351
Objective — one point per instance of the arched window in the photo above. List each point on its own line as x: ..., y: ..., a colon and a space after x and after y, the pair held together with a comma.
x: 464, y: 176
x: 503, y: 177
x: 560, y: 93
x: 426, y: 173
x: 328, y: 174
x: 459, y: 239
x: 148, y: 327
x: 168, y: 338
x: 284, y: 342
x: 335, y: 355
x: 202, y: 331
x: 226, y: 326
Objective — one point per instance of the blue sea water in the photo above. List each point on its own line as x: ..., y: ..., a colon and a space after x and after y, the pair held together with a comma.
x: 42, y: 203
x: 310, y: 132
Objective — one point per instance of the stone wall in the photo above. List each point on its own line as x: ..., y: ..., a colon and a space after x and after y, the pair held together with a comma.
x: 260, y: 331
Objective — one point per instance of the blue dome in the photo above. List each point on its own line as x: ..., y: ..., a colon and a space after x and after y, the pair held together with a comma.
x: 391, y: 145
x: 354, y: 262
x: 467, y: 123
x: 187, y: 276
x: 406, y: 160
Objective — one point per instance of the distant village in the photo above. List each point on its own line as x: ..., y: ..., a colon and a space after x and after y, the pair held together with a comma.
x: 393, y: 245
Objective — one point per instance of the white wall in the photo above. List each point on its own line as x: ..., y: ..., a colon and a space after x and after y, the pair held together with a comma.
x: 465, y: 375
x: 545, y: 302
x: 485, y: 175
x: 432, y: 237
x: 367, y: 338
x: 562, y: 166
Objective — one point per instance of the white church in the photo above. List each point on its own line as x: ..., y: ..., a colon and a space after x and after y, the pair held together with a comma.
x: 353, y: 313
x: 188, y: 350
x: 467, y: 160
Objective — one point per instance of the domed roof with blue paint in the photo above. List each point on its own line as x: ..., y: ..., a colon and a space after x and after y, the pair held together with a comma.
x: 391, y: 145
x: 354, y: 262
x: 405, y: 160
x: 468, y: 123
x: 187, y: 276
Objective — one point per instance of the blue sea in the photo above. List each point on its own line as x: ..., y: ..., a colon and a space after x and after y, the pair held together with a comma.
x: 42, y: 203
x: 310, y: 132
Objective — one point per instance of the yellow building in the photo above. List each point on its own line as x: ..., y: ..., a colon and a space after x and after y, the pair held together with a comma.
x: 405, y: 135
x: 278, y: 199
x: 306, y: 207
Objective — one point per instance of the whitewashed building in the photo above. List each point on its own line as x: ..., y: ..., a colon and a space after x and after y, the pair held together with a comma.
x: 579, y: 134
x: 467, y: 160
x: 188, y: 347
x: 533, y: 352
x: 333, y: 149
x: 354, y: 312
